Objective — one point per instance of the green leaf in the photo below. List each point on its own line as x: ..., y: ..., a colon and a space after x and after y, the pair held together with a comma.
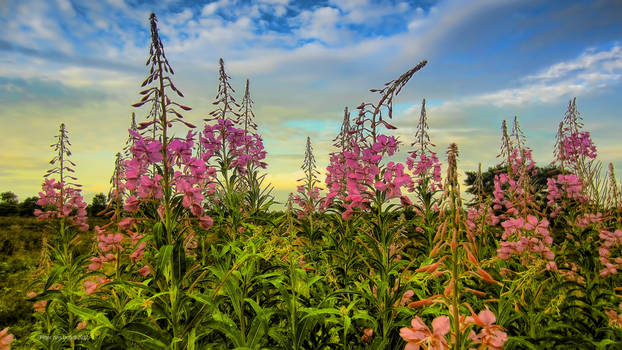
x: 201, y: 298
x: 164, y: 261
x: 179, y: 261
x: 89, y: 315
x: 144, y: 334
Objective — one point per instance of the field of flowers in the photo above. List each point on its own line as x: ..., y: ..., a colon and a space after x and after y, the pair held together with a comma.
x: 381, y: 255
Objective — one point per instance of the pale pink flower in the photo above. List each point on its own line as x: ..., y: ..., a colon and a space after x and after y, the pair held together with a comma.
x: 127, y: 223
x: 40, y: 305
x: 368, y: 333
x: 144, y: 271
x: 491, y: 335
x: 421, y: 336
x: 6, y: 339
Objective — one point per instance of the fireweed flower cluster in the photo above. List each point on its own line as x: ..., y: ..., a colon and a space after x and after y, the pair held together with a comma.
x: 512, y: 194
x: 224, y: 140
x: 530, y: 235
x: 424, y: 164
x: 190, y: 174
x: 510, y: 188
x: 63, y: 206
x: 609, y: 252
x: 563, y: 192
x: 572, y: 144
x: 362, y: 170
x: 577, y: 145
x: 62, y: 199
x: 524, y: 234
x: 357, y: 171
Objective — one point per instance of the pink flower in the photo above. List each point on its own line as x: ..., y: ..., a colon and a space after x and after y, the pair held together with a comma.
x: 491, y: 335
x: 380, y: 186
x: 110, y: 242
x: 90, y: 287
x: 81, y: 325
x: 138, y: 253
x: 40, y: 306
x: 420, y: 334
x: 368, y: 333
x: 131, y: 204
x: 6, y: 339
x: 144, y: 271
x: 206, y: 222
x: 127, y: 223
x: 406, y: 297
x: 97, y: 263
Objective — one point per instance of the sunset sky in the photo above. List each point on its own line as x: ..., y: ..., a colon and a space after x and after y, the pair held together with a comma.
x: 82, y: 62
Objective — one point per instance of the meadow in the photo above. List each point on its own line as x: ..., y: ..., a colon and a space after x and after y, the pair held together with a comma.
x: 381, y: 254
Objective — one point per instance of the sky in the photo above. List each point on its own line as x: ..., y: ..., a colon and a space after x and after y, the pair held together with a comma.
x: 82, y: 62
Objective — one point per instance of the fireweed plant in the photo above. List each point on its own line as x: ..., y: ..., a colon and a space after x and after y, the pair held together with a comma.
x: 384, y: 255
x: 56, y: 293
x: 308, y: 196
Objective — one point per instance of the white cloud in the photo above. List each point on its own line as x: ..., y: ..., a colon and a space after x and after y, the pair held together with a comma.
x: 212, y: 7
x: 590, y: 60
x: 180, y: 18
x: 590, y: 71
x: 321, y: 24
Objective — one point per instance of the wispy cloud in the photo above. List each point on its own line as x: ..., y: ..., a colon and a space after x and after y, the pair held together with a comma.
x: 592, y: 70
x: 65, y: 58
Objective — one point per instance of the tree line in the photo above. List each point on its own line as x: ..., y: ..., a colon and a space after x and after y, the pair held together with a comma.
x: 11, y: 206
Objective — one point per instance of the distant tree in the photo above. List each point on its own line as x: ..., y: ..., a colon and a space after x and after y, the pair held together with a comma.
x: 97, y: 204
x: 8, y: 204
x: 538, y: 180
x: 9, y: 198
x: 28, y: 206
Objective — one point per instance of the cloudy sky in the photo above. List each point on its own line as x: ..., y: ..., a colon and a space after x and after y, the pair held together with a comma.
x: 82, y: 62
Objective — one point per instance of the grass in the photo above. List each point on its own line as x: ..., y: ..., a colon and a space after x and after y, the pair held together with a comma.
x: 20, y: 253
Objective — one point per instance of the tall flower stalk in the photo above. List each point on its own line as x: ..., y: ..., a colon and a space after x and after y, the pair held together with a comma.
x: 370, y: 184
x: 425, y: 167
x: 258, y: 196
x: 236, y: 153
x: 166, y: 185
x: 63, y: 205
x: 308, y: 196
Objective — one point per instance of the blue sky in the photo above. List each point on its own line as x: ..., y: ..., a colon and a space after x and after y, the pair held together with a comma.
x: 81, y: 62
